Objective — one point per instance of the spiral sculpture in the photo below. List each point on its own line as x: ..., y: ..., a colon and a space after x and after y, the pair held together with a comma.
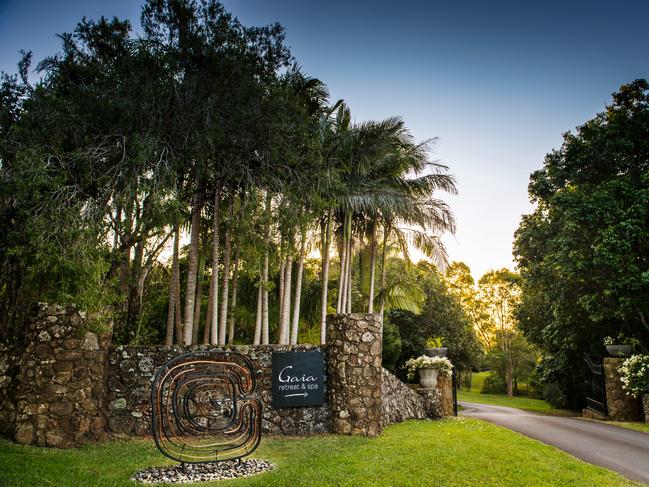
x: 203, y: 407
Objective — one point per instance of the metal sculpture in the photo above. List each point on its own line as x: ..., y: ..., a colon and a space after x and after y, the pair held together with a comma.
x: 203, y: 407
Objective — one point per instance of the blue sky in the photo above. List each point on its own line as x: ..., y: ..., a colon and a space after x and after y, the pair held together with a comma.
x: 496, y: 82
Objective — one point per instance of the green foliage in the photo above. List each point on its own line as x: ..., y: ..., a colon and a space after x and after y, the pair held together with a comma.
x: 494, y: 384
x: 522, y: 357
x: 126, y: 141
x: 391, y: 345
x: 435, y: 342
x: 583, y: 253
x: 553, y: 394
x: 442, y: 315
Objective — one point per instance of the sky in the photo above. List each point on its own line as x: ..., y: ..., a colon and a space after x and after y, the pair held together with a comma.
x: 495, y: 83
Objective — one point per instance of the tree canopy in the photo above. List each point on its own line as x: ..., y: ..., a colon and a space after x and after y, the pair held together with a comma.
x: 184, y: 178
x: 583, y: 252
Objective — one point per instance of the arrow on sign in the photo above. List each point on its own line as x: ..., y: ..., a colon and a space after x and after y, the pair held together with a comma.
x: 303, y: 394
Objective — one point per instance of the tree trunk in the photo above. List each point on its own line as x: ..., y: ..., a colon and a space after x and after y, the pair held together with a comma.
x: 260, y: 298
x: 370, y: 305
x: 178, y: 309
x: 169, y: 337
x: 223, y: 319
x: 265, y: 340
x: 235, y: 285
x: 286, y: 305
x: 199, y: 294
x: 509, y: 373
x: 343, y: 275
x: 192, y: 270
x: 348, y: 280
x: 264, y: 323
x: 386, y: 232
x: 208, y: 321
x: 325, y: 279
x: 298, y: 289
x: 282, y: 282
x: 214, y: 283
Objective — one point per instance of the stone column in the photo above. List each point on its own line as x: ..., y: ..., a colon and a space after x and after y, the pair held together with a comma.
x: 60, y: 394
x: 621, y: 407
x: 354, y: 354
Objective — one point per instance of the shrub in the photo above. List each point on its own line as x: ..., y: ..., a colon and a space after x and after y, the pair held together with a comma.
x: 554, y: 396
x: 494, y: 384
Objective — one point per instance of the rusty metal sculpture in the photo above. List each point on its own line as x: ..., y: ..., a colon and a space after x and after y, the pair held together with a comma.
x: 203, y: 407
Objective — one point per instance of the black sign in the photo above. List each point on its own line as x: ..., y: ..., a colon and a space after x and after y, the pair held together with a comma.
x: 298, y: 379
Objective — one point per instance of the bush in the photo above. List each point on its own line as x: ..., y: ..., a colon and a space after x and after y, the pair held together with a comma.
x: 553, y: 394
x: 634, y: 373
x: 494, y: 384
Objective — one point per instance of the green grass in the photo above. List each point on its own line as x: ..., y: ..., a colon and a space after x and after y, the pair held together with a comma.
x: 521, y: 402
x: 477, y: 380
x: 451, y: 452
x: 632, y: 425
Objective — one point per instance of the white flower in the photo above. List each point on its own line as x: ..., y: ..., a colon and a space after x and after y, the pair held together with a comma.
x: 424, y: 362
x: 634, y: 374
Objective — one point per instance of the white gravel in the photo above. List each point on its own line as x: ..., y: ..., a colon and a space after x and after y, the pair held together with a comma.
x: 202, y: 472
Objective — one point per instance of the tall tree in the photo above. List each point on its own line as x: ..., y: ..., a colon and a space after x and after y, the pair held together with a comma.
x: 583, y: 252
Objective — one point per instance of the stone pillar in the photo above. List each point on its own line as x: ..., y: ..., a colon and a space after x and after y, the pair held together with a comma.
x: 354, y: 370
x: 61, y: 384
x: 621, y: 407
x: 445, y: 388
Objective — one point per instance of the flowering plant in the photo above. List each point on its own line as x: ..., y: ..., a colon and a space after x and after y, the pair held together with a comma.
x: 423, y: 362
x: 621, y: 339
x: 634, y: 374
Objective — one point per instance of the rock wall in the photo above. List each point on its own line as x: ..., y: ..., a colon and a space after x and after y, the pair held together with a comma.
x: 69, y: 387
x: 131, y: 370
x: 400, y: 402
x: 410, y: 401
x: 621, y: 407
x: 60, y: 386
x: 10, y: 363
x: 355, y: 371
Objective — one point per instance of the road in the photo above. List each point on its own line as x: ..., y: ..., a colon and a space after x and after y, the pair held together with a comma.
x: 621, y: 450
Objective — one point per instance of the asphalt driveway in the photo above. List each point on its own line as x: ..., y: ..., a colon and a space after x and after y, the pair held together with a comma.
x: 621, y: 450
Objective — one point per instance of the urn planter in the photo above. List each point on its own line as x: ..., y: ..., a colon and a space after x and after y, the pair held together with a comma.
x: 428, y: 378
x: 619, y: 350
x: 436, y: 352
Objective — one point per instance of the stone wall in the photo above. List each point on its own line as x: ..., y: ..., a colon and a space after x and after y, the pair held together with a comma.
x: 621, y: 407
x: 355, y: 371
x: 60, y: 386
x: 69, y: 387
x: 411, y: 401
x: 399, y: 402
x: 131, y: 370
x: 10, y: 362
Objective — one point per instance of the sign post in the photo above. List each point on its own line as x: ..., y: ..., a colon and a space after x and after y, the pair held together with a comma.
x: 298, y: 379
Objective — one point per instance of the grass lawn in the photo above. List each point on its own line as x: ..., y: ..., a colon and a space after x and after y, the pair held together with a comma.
x: 632, y: 425
x: 526, y: 403
x: 452, y: 452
